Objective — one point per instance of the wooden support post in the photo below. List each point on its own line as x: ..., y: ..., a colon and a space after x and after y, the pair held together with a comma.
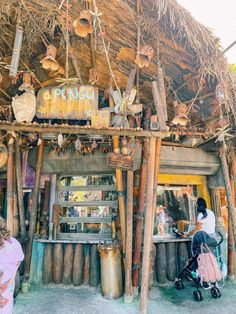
x: 15, y: 206
x: 228, y: 189
x: 148, y: 228
x: 128, y: 297
x: 20, y: 193
x: 10, y: 185
x: 46, y: 209
x: 52, y: 196
x: 231, y: 243
x: 140, y: 214
x: 33, y: 214
x: 120, y: 190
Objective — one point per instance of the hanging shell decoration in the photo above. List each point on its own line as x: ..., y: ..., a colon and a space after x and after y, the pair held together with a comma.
x: 50, y: 62
x: 181, y: 117
x: 144, y: 57
x: 3, y: 155
x: 84, y: 24
x: 24, y: 106
x: 93, y: 76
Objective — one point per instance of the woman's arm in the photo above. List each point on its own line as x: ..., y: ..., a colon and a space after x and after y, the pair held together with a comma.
x: 198, y: 227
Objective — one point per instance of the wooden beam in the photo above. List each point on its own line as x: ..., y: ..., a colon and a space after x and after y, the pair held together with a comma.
x: 128, y: 297
x: 10, y: 185
x: 33, y: 214
x: 148, y: 229
x: 140, y: 214
x: 83, y: 130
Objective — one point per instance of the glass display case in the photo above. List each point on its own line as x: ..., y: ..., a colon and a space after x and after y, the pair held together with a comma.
x: 175, y: 208
x: 89, y: 205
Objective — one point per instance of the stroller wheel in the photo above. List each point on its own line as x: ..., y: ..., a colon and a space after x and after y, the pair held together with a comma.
x: 197, y: 295
x: 215, y: 293
x: 179, y: 284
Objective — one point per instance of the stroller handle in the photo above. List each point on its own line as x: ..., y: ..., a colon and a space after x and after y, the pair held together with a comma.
x: 221, y: 236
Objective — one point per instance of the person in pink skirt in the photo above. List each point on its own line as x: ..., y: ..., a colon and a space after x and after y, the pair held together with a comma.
x: 11, y: 255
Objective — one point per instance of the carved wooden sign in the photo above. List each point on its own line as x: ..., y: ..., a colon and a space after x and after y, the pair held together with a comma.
x: 71, y: 101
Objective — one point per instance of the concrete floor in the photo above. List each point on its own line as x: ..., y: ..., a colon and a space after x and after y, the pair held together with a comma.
x: 86, y: 300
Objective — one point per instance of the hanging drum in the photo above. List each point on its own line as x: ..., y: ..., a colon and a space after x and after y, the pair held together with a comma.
x: 144, y: 57
x: 3, y: 155
x: 50, y: 62
x: 84, y: 24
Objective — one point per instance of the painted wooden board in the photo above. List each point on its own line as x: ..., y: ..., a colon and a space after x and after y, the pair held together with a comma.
x: 71, y: 101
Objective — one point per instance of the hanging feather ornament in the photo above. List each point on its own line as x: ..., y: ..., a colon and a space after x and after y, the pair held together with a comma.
x: 84, y: 24
x: 16, y: 51
x: 78, y: 145
x: 24, y: 106
x: 144, y: 57
x: 50, y: 62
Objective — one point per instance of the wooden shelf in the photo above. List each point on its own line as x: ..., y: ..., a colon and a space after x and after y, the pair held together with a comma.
x: 75, y: 220
x: 88, y: 203
x: 87, y: 237
x: 87, y: 188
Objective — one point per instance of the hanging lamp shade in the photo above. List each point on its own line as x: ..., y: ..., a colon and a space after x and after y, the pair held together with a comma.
x: 3, y: 155
x: 50, y: 62
x: 181, y: 117
x: 84, y: 24
x: 144, y: 57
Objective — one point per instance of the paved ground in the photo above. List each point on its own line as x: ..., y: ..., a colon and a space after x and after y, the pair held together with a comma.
x: 87, y: 300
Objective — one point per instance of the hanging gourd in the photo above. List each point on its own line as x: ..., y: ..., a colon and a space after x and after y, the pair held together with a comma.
x: 144, y: 57
x: 16, y: 51
x: 24, y: 106
x: 181, y: 117
x: 50, y: 62
x: 84, y: 24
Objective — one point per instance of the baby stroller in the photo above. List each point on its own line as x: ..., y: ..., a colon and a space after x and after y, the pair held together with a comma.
x: 197, y: 267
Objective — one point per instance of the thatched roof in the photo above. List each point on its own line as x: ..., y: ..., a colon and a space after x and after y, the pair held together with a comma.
x: 186, y: 48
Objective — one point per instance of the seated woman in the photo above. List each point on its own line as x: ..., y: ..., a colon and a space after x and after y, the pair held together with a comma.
x: 204, y: 231
x: 11, y: 255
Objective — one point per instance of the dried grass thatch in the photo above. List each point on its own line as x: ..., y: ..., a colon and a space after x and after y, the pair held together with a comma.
x: 186, y: 48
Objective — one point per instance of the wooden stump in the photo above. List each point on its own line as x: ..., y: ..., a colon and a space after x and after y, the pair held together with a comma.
x: 47, y: 264
x: 78, y: 265
x: 171, y: 261
x: 182, y: 255
x: 86, y: 265
x: 57, y: 262
x: 94, y: 266
x: 161, y: 262
x: 68, y: 264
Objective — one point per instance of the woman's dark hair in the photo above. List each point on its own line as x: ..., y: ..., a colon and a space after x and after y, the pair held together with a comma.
x: 201, y: 207
x: 4, y: 233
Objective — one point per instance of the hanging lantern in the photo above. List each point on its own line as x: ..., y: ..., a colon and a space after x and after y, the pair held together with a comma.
x: 16, y: 51
x: 180, y: 113
x: 49, y: 62
x: 24, y: 106
x: 84, y: 24
x: 144, y: 56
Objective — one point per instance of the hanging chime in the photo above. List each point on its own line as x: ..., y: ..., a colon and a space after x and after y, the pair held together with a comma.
x: 24, y: 106
x: 144, y: 57
x: 16, y: 51
x: 84, y: 24
x: 50, y: 62
x: 181, y: 117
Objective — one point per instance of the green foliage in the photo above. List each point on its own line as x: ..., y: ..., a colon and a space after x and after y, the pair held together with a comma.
x: 232, y: 68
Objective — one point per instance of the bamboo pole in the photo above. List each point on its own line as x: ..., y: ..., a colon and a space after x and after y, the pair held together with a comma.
x: 128, y: 297
x: 33, y: 214
x: 15, y: 207
x: 45, y: 215
x: 20, y: 193
x: 148, y: 228
x: 10, y: 185
x: 140, y: 214
x: 228, y: 188
x: 120, y: 190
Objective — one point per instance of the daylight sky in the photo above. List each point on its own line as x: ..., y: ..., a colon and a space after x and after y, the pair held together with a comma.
x: 220, y: 16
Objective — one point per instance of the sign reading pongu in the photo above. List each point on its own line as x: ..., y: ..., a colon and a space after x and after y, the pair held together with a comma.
x: 67, y: 102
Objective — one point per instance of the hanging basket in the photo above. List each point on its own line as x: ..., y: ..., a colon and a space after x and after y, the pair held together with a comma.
x: 3, y: 155
x: 84, y: 24
x: 144, y: 57
x: 50, y: 62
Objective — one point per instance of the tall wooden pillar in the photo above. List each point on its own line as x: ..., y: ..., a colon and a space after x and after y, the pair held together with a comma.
x: 128, y: 297
x: 148, y: 228
x: 231, y: 243
x: 140, y: 213
x: 33, y: 214
x: 10, y: 185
